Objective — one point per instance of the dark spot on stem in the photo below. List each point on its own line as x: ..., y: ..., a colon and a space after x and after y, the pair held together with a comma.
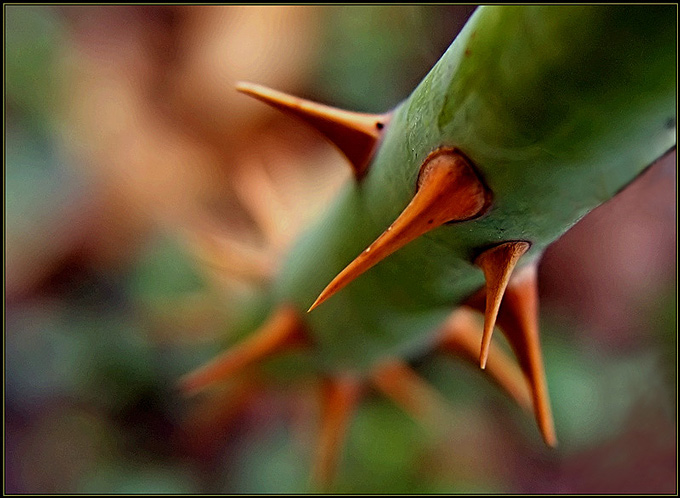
x: 429, y: 222
x: 467, y: 52
x: 670, y: 123
x: 379, y: 125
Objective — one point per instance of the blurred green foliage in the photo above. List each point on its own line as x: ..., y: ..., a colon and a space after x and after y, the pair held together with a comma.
x: 32, y: 36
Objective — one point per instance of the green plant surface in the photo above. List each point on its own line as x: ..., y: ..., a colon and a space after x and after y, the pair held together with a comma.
x: 557, y: 121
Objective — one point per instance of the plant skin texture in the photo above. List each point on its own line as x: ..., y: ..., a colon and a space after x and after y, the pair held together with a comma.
x: 532, y: 118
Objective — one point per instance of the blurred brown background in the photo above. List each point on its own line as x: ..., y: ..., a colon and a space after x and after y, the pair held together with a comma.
x: 124, y: 134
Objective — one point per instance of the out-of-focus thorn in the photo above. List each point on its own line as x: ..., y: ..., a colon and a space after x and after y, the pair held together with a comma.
x: 355, y: 134
x: 225, y: 253
x: 397, y: 380
x: 460, y: 336
x: 448, y: 190
x: 283, y: 331
x: 339, y: 397
x: 497, y: 264
x: 518, y: 320
x: 260, y: 196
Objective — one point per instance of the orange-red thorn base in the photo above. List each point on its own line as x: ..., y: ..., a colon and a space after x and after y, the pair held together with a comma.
x: 497, y: 264
x: 355, y: 134
x: 448, y: 190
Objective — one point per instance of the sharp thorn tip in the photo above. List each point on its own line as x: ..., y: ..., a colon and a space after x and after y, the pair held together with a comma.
x: 355, y: 134
x: 316, y: 303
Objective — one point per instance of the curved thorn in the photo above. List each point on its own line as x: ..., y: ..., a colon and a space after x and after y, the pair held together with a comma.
x: 397, y: 380
x: 339, y: 397
x: 497, y: 264
x: 518, y: 319
x: 448, y: 190
x: 283, y: 331
x: 355, y: 134
x: 460, y: 337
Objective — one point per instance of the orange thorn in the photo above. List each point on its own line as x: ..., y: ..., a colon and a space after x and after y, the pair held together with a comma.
x: 283, y: 331
x: 518, y: 318
x: 339, y: 397
x: 460, y: 336
x: 397, y: 380
x: 497, y: 264
x: 355, y: 134
x: 448, y: 190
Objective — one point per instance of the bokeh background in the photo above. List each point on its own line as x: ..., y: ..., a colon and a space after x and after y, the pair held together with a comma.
x: 124, y: 136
